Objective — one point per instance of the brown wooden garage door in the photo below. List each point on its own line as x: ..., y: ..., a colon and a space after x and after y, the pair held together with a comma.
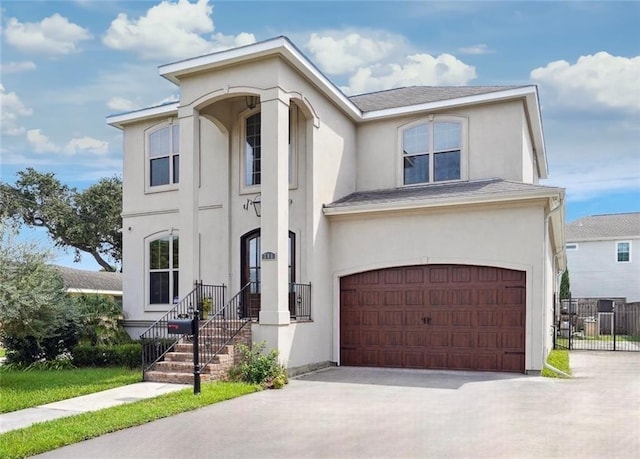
x: 434, y: 316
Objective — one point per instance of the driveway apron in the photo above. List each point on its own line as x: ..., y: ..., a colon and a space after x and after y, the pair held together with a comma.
x: 380, y: 413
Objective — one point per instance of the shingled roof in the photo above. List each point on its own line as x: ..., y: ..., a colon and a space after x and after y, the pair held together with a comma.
x: 472, y: 189
x: 79, y: 280
x: 607, y: 226
x: 414, y: 95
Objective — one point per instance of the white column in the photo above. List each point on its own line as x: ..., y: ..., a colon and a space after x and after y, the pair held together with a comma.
x: 274, y: 222
x: 188, y: 186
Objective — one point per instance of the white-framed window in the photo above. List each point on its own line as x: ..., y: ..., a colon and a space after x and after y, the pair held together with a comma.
x: 432, y: 151
x: 623, y: 251
x: 251, y: 164
x: 571, y: 247
x: 163, y: 155
x: 163, y: 256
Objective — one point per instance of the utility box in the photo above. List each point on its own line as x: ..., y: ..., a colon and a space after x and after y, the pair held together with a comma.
x: 180, y: 326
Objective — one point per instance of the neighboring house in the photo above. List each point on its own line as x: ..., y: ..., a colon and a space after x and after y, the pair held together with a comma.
x: 603, y: 256
x: 78, y: 282
x: 414, y: 213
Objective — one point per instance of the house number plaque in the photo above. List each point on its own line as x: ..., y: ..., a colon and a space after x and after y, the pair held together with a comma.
x: 268, y: 256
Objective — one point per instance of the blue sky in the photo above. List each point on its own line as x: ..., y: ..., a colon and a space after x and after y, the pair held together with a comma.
x: 66, y: 65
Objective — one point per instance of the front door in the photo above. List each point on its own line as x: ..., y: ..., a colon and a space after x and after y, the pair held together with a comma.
x: 250, y: 257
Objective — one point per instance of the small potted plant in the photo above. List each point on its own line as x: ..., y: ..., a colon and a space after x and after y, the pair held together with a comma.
x: 205, y: 307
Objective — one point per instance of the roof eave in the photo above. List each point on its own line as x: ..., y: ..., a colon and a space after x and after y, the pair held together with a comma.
x: 439, y: 202
x: 277, y: 46
x: 120, y: 120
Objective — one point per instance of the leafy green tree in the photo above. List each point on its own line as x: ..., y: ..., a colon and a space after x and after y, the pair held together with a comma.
x: 88, y: 221
x: 36, y: 319
x: 100, y: 316
x: 565, y: 285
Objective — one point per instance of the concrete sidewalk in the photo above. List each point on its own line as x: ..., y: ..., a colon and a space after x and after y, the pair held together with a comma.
x: 82, y: 404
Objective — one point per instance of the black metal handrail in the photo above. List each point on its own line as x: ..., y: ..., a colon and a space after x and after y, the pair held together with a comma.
x: 157, y: 341
x: 300, y: 301
x: 221, y: 328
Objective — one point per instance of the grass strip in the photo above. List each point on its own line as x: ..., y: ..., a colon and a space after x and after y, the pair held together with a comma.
x: 26, y: 389
x: 49, y: 435
x: 559, y: 359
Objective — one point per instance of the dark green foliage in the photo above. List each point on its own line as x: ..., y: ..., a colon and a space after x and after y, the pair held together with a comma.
x: 259, y: 367
x: 37, y: 321
x: 565, y: 285
x: 128, y: 355
x: 88, y: 221
x: 101, y: 318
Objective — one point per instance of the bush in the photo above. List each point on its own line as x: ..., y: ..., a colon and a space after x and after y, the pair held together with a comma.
x: 128, y: 355
x: 259, y: 368
x: 100, y: 316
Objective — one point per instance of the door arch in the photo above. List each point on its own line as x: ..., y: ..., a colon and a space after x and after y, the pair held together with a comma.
x: 251, y: 265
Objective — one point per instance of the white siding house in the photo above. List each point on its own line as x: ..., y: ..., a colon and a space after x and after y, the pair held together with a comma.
x: 415, y: 213
x: 603, y: 256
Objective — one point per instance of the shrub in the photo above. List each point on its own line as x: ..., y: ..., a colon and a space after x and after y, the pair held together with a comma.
x: 258, y: 367
x: 129, y: 355
x: 100, y: 316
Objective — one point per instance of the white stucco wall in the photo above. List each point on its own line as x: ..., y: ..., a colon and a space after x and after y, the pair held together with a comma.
x: 493, y: 146
x: 594, y: 271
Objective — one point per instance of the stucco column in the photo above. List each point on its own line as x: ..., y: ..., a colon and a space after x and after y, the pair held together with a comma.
x: 274, y: 222
x: 189, y: 184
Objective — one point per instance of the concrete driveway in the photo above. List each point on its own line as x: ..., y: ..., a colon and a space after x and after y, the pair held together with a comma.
x: 377, y: 413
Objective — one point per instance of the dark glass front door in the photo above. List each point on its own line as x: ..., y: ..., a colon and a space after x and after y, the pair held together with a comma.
x: 251, y: 270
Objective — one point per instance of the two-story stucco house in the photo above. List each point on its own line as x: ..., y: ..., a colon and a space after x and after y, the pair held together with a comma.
x: 415, y: 214
x: 602, y: 253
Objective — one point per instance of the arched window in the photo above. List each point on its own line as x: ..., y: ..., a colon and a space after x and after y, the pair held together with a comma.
x: 163, y: 269
x: 163, y: 151
x: 432, y: 152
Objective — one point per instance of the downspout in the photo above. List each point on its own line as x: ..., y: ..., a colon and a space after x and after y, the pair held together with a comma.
x: 546, y: 238
x: 555, y: 370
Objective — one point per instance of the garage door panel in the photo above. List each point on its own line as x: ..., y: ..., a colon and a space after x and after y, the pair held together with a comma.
x: 489, y: 340
x: 462, y: 339
x: 414, y: 297
x: 393, y: 318
x: 488, y: 362
x: 392, y: 338
x: 392, y: 358
x: 415, y: 338
x: 434, y: 316
x: 438, y: 339
x: 461, y: 361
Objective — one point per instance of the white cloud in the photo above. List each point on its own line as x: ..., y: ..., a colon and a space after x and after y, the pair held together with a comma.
x: 17, y: 67
x: 11, y: 107
x: 171, y: 31
x: 476, y: 49
x: 417, y: 69
x: 40, y: 142
x: 54, y: 35
x: 594, y: 81
x: 120, y: 104
x: 340, y: 52
x: 86, y: 145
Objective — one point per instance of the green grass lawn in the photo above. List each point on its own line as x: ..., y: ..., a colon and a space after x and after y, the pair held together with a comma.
x: 49, y: 435
x: 560, y: 360
x: 25, y: 389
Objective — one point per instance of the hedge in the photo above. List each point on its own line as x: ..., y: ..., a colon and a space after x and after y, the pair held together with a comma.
x: 129, y: 355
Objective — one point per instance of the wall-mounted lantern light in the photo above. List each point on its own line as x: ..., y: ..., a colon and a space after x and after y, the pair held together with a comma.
x: 252, y: 101
x: 255, y: 202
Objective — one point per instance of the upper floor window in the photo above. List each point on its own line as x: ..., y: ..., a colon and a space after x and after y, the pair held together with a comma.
x: 164, y: 156
x: 431, y: 152
x: 623, y: 252
x: 163, y: 270
x: 252, y: 154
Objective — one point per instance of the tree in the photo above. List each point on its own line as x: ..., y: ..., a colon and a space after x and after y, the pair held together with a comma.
x: 36, y: 319
x: 88, y: 221
x: 565, y: 285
